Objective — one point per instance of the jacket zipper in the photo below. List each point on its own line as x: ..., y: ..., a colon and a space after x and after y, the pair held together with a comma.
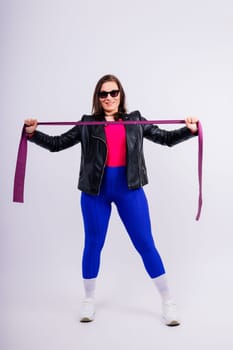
x: 102, y: 173
x: 139, y: 174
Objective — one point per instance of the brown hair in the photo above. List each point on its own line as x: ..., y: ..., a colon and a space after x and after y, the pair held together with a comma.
x: 97, y: 109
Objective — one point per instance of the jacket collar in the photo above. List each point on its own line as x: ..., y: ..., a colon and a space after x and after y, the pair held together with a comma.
x: 98, y: 130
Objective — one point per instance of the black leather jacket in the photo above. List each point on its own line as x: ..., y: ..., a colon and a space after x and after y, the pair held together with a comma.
x: 94, y: 149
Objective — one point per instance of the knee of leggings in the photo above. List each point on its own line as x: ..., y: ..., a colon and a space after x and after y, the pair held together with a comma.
x: 93, y: 246
x: 145, y: 247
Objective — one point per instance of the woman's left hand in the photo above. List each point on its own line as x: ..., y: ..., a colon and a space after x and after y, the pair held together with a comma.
x: 191, y: 123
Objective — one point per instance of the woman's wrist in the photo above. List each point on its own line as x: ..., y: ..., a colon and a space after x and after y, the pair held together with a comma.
x: 30, y: 134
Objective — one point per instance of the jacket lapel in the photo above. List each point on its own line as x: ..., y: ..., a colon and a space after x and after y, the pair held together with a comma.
x: 98, y: 131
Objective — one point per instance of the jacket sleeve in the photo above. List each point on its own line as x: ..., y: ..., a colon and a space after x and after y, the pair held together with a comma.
x: 166, y: 137
x: 57, y: 143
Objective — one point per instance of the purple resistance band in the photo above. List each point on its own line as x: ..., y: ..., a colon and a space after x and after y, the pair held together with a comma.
x: 20, y: 170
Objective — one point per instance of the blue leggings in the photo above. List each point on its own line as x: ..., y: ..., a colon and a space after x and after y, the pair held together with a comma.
x: 133, y: 210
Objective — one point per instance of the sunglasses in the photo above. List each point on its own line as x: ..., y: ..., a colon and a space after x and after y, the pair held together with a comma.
x: 104, y: 94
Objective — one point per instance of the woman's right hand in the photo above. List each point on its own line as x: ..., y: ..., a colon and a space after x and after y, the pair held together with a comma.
x: 30, y: 125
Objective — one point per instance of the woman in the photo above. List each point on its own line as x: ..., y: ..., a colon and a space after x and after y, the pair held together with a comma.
x: 113, y: 171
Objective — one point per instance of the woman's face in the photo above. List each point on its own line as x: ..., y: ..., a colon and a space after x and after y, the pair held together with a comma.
x: 110, y: 104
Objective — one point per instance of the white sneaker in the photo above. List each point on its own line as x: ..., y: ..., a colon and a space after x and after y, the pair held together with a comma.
x: 170, y: 314
x: 87, y: 313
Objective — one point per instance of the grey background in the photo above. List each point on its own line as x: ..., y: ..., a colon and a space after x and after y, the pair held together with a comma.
x: 174, y: 59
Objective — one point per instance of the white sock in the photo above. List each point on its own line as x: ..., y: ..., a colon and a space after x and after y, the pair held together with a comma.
x: 162, y: 287
x: 89, y: 287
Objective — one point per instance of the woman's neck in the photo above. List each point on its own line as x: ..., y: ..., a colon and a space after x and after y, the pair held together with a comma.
x: 109, y: 118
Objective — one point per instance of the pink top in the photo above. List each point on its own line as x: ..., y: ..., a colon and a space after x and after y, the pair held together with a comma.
x: 116, y: 144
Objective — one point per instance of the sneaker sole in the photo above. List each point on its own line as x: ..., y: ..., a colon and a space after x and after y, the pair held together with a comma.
x: 86, y: 319
x: 173, y: 324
